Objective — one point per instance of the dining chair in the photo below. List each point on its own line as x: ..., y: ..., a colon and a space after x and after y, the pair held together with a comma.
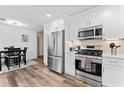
x: 23, y: 55
x: 12, y: 57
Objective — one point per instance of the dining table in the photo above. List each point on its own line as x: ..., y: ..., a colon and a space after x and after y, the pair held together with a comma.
x: 6, y: 51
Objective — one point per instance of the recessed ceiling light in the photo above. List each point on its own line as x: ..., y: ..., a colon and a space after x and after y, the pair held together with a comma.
x: 11, y: 22
x: 48, y: 15
x: 14, y: 23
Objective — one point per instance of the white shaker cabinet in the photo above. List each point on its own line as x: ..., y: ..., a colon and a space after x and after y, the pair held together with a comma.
x: 73, y: 27
x: 96, y: 17
x: 113, y: 72
x: 67, y: 30
x: 70, y: 63
x: 91, y: 17
x: 113, y: 22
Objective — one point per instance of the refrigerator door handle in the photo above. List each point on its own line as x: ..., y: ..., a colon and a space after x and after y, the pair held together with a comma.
x: 51, y: 43
x: 54, y: 42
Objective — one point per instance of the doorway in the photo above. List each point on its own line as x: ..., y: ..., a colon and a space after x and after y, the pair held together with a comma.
x: 40, y: 45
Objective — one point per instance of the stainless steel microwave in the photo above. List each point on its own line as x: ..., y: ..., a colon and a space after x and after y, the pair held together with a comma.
x: 93, y: 32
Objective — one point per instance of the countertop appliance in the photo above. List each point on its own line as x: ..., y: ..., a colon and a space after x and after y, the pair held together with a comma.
x: 88, y: 65
x: 93, y: 32
x: 56, y: 51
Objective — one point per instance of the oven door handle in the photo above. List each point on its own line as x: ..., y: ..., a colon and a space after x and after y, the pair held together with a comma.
x: 97, y: 61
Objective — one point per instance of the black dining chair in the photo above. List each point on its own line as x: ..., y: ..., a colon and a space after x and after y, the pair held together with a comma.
x: 23, y: 55
x: 12, y: 57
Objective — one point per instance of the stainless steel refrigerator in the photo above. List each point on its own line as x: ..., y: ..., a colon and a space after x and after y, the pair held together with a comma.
x: 56, y: 51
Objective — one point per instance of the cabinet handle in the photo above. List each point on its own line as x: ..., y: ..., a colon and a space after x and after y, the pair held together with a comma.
x: 113, y: 62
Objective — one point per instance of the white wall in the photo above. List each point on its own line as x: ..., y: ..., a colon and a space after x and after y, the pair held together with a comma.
x: 11, y: 36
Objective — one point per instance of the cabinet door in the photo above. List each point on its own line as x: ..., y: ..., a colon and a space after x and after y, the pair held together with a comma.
x: 67, y: 29
x: 70, y: 64
x: 96, y: 17
x: 91, y: 17
x: 113, y: 22
x: 83, y: 22
x: 112, y: 76
x: 74, y: 24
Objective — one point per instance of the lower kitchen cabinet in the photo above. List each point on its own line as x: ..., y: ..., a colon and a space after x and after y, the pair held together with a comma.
x: 113, y: 72
x: 70, y: 63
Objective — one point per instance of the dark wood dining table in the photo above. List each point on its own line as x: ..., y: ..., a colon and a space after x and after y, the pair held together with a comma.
x: 6, y: 51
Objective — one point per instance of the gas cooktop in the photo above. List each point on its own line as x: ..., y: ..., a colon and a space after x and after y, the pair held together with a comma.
x: 90, y: 52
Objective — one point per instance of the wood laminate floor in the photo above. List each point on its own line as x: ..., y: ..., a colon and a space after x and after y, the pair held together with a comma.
x: 38, y: 76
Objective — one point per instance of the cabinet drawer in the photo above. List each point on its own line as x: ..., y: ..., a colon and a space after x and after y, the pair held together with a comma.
x: 113, y: 61
x: 113, y: 76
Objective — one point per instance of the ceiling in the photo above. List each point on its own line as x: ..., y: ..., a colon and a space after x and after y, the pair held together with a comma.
x: 33, y: 16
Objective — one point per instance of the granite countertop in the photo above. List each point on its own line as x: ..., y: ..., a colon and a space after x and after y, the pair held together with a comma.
x: 114, y: 56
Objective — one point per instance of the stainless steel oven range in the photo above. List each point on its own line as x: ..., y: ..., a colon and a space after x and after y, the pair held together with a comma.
x: 89, y: 65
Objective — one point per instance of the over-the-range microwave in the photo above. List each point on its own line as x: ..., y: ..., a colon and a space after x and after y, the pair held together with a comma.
x: 93, y: 32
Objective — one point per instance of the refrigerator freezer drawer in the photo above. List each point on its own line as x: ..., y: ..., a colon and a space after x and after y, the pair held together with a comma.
x: 56, y: 64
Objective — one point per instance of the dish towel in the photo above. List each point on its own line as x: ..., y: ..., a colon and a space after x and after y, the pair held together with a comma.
x: 88, y: 65
x: 83, y: 63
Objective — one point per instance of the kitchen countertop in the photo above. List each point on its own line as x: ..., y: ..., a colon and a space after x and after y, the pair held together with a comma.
x: 114, y: 56
x: 74, y: 52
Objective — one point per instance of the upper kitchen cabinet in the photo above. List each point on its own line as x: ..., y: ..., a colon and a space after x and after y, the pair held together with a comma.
x: 113, y: 22
x: 88, y: 18
x: 57, y: 25
x: 54, y: 25
x: 67, y: 29
x: 91, y: 17
x: 73, y: 27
